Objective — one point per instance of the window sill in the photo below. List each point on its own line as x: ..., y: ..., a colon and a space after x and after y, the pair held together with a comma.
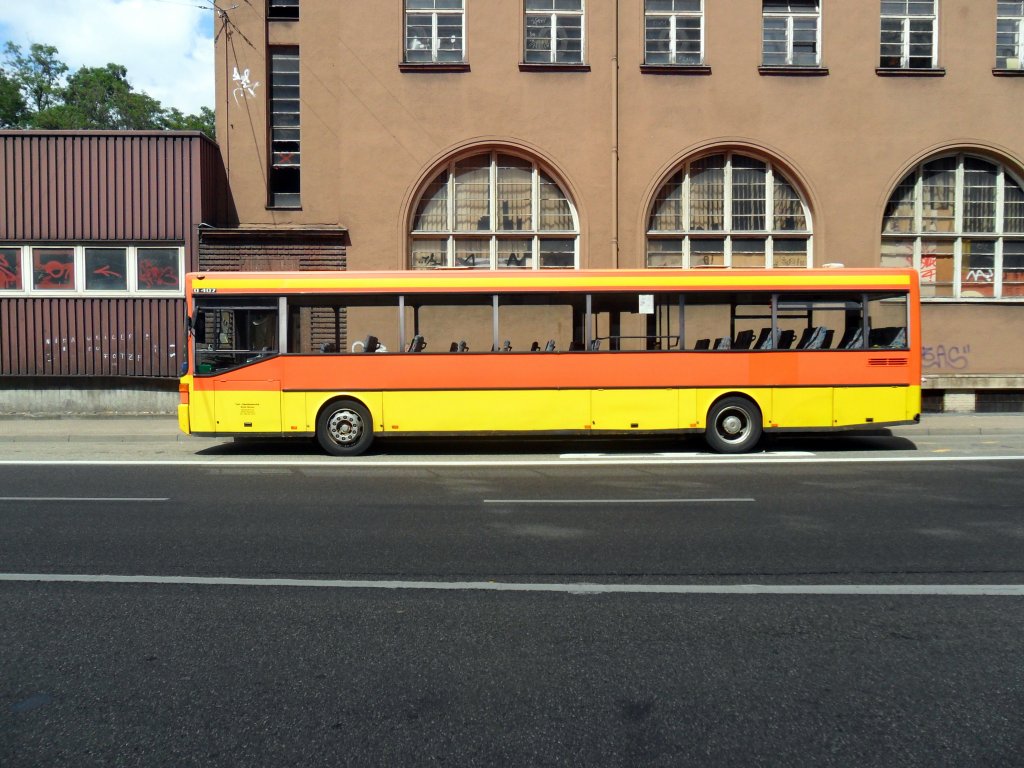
x: 434, y: 67
x: 284, y: 208
x: 1008, y: 72
x: 792, y: 71
x: 675, y: 69
x: 906, y: 72
x: 530, y: 67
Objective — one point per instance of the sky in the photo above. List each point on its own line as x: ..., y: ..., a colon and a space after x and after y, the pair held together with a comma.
x: 166, y: 45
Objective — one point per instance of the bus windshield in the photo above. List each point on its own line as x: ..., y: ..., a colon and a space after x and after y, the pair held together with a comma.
x: 231, y: 334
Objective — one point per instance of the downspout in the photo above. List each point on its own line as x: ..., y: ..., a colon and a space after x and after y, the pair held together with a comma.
x: 615, y: 142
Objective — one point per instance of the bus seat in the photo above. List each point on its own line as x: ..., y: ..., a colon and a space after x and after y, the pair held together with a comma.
x: 463, y: 346
x: 887, y: 337
x: 576, y: 346
x: 723, y: 342
x: 328, y: 347
x: 535, y: 347
x: 852, y: 338
x: 827, y: 341
x: 371, y: 344
x: 743, y: 340
x: 595, y: 345
x: 417, y: 344
x: 811, y: 338
x: 550, y: 346
x: 702, y: 344
x: 786, y: 339
x: 507, y: 346
x: 764, y: 339
x: 454, y: 347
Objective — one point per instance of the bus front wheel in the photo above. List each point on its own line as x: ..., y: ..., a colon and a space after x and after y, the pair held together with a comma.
x: 344, y: 428
x: 733, y: 426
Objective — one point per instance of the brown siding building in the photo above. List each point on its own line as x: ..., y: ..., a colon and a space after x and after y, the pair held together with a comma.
x: 96, y: 232
x: 555, y: 134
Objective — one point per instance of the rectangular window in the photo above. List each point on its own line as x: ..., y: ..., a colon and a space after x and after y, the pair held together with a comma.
x: 106, y: 269
x: 158, y: 269
x: 434, y: 31
x: 284, y: 128
x: 1009, y: 34
x: 674, y: 32
x: 791, y: 33
x: 554, y: 32
x: 287, y: 10
x: 53, y: 269
x: 908, y: 34
x: 10, y: 269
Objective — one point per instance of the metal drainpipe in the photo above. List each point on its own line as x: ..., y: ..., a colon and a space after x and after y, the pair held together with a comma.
x: 615, y: 143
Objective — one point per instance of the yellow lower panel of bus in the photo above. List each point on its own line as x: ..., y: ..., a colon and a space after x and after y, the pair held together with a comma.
x: 803, y: 407
x: 247, y: 410
x: 487, y: 411
x: 878, y: 405
x: 640, y: 409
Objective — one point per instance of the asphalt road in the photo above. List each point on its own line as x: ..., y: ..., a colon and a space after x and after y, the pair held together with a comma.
x: 184, y: 673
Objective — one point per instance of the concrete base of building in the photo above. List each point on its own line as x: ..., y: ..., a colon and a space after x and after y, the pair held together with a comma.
x: 87, y: 396
x: 971, y: 393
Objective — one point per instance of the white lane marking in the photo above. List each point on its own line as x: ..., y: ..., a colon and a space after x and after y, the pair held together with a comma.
x: 79, y: 498
x: 685, y: 455
x: 995, y: 590
x: 503, y: 463
x: 611, y: 501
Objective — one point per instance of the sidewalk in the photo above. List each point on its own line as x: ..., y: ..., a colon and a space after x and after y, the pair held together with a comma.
x: 138, y: 429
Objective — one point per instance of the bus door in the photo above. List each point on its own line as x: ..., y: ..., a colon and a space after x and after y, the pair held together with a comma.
x: 232, y: 392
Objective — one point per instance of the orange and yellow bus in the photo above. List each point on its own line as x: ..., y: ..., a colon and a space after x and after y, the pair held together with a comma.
x: 347, y: 356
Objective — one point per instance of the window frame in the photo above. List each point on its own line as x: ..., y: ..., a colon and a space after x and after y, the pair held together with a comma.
x: 955, y: 240
x: 1018, y: 43
x: 78, y: 287
x: 435, y: 39
x: 452, y: 235
x: 674, y: 17
x: 906, y: 19
x: 732, y: 238
x: 282, y: 15
x: 790, y: 16
x: 276, y: 146
x: 553, y: 16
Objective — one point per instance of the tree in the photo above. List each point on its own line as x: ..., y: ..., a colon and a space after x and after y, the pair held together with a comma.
x: 13, y: 109
x: 35, y: 92
x: 39, y: 73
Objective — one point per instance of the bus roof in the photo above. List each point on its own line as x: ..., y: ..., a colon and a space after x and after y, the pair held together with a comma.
x: 572, y: 281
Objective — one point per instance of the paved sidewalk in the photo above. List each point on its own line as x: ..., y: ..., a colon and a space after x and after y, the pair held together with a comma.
x: 134, y: 429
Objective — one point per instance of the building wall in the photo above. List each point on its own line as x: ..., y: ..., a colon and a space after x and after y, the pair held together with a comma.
x: 372, y: 134
x: 102, y: 189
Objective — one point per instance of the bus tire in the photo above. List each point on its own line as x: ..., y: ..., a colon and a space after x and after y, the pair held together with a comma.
x: 344, y: 428
x: 734, y: 425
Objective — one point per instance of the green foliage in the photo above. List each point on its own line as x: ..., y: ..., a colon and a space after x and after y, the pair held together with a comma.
x: 37, y: 92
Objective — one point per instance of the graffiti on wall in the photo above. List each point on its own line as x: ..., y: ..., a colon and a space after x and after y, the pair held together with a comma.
x: 111, y: 348
x: 956, y: 357
x: 246, y: 88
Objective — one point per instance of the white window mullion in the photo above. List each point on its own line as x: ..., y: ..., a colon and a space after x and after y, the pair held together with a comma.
x: 790, y: 39
x: 905, y: 44
x: 727, y: 195
x: 552, y: 54
x: 997, y: 257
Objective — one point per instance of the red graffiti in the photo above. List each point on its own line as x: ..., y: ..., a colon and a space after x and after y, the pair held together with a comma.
x: 106, y: 271
x: 54, y: 274
x: 8, y: 276
x: 154, y: 276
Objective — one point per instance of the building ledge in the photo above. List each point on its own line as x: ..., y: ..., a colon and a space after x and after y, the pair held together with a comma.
x: 272, y: 232
x: 531, y: 67
x: 434, y: 67
x: 789, y: 71
x: 907, y: 72
x: 675, y: 69
x: 1008, y: 72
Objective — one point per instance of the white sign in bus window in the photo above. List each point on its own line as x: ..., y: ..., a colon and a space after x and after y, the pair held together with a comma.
x: 646, y: 304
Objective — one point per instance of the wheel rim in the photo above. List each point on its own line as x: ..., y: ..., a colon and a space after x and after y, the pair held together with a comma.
x: 733, y: 425
x: 345, y: 426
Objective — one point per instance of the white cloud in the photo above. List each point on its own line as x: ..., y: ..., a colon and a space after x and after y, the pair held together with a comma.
x: 166, y: 45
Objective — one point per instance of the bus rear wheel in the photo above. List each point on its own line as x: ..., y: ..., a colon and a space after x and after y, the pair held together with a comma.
x: 344, y: 428
x: 734, y: 425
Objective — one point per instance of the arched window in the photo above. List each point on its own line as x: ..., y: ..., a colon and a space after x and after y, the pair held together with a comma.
x: 959, y: 220
x: 494, y: 211
x: 728, y: 210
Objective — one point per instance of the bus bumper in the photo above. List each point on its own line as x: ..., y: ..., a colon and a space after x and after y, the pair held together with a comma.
x: 183, y: 423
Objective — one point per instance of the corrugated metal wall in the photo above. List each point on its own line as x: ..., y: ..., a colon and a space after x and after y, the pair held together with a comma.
x: 103, y: 187
x: 91, y: 337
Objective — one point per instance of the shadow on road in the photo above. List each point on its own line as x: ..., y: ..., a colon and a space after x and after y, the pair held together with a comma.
x: 875, y: 441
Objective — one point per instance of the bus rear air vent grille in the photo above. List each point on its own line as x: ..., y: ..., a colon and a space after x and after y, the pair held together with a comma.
x: 891, y: 362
